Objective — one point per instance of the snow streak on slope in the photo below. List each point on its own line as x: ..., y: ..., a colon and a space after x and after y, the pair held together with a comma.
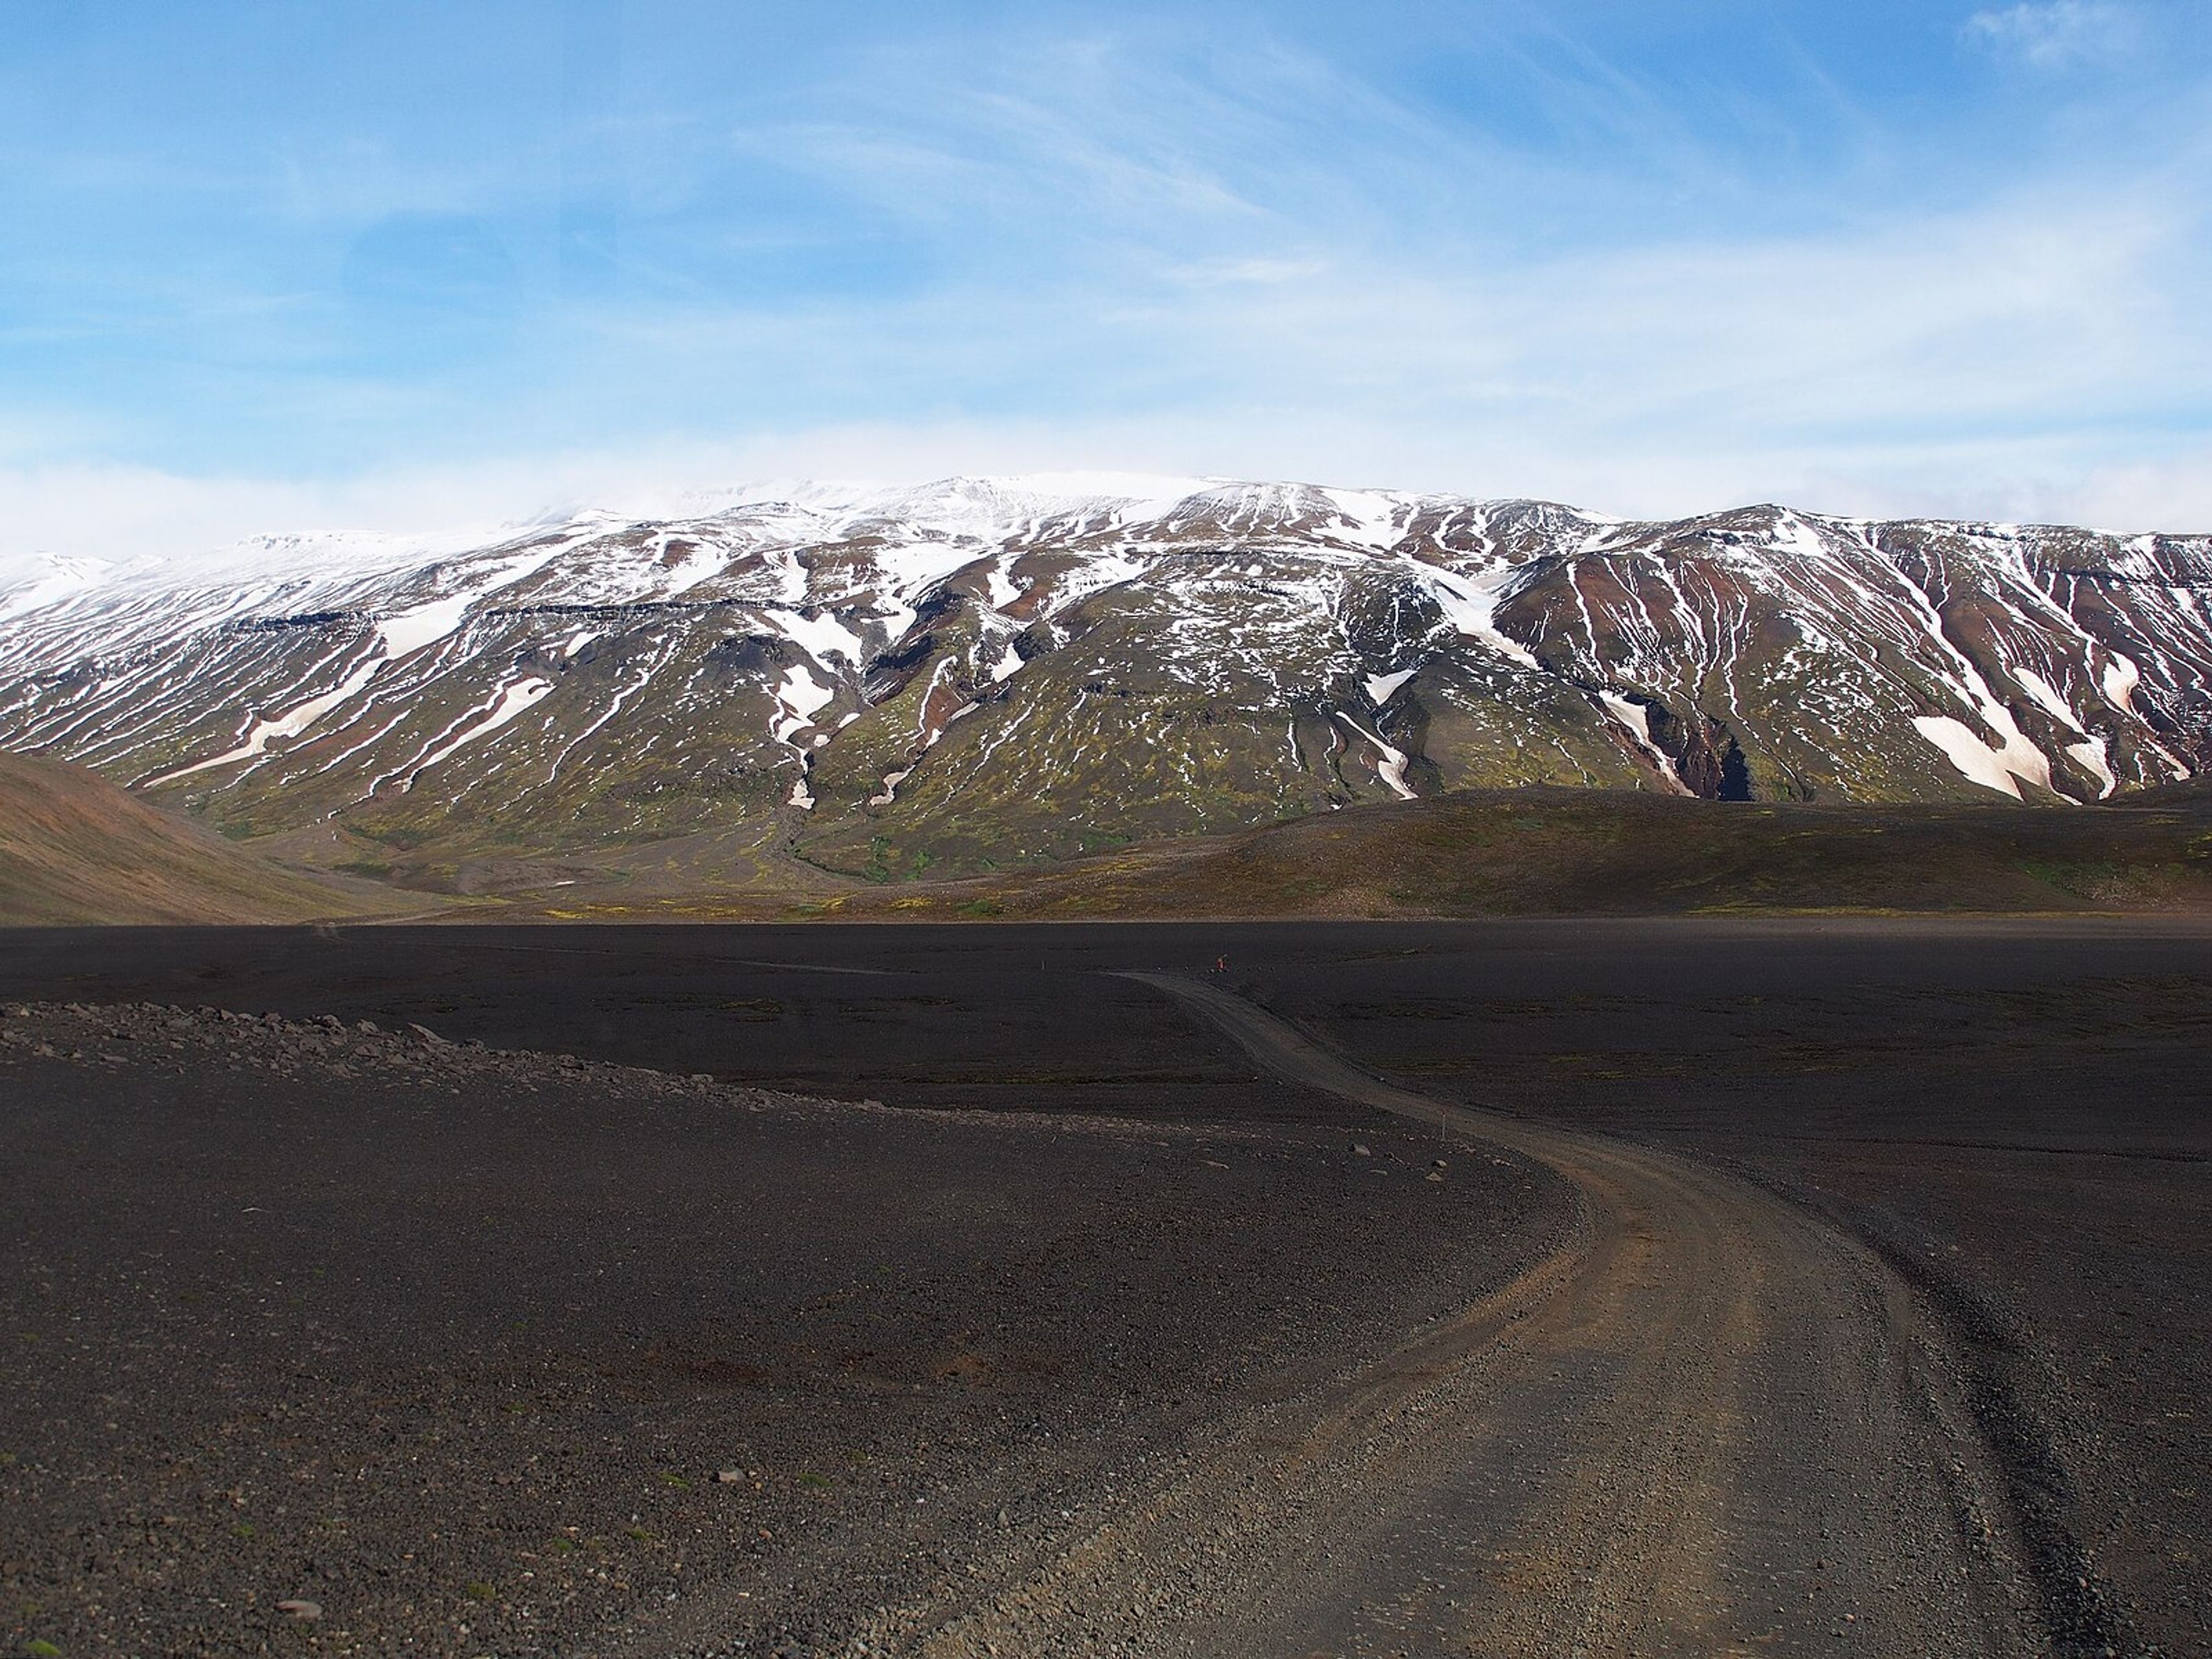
x: 290, y: 724
x: 1024, y: 667
x: 512, y: 701
x: 1470, y: 603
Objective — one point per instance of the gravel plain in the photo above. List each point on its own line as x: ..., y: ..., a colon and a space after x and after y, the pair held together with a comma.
x: 2008, y: 1119
x: 325, y: 1337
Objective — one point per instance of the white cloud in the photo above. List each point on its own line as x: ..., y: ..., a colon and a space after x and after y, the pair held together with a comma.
x: 122, y: 515
x: 1979, y: 363
x: 2173, y: 493
x: 2056, y: 34
x: 1901, y: 369
x: 1189, y: 286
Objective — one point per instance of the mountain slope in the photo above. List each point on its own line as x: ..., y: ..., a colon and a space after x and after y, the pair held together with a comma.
x: 74, y: 849
x: 1560, y: 852
x: 980, y: 673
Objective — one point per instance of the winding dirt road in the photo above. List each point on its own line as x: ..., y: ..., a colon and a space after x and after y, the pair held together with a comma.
x: 1711, y: 1423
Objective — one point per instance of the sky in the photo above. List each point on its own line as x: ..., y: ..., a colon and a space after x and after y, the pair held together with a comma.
x: 297, y: 264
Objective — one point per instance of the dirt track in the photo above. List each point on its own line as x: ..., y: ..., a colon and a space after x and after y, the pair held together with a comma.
x: 1712, y: 1424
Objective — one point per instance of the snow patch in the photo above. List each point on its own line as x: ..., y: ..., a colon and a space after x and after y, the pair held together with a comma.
x: 1989, y: 767
x: 1381, y: 688
x: 1637, y: 717
x: 410, y: 630
x: 1373, y: 515
x: 2121, y: 678
x: 819, y: 636
x: 512, y: 700
x: 799, y: 699
x: 2046, y: 697
x: 1800, y: 538
x: 2096, y: 759
x: 290, y: 724
x: 1470, y: 602
x: 2021, y: 758
x: 702, y: 563
x: 1391, y: 766
x: 62, y: 576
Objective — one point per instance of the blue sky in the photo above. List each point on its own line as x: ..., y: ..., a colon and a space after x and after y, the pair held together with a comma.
x: 274, y: 264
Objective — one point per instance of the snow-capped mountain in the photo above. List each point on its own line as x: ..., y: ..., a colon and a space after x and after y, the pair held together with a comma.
x: 981, y: 671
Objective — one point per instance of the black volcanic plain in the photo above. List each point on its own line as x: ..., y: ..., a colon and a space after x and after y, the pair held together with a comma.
x: 2015, y: 1114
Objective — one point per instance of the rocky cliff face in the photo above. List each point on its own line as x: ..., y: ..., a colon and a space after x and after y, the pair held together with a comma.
x: 977, y: 673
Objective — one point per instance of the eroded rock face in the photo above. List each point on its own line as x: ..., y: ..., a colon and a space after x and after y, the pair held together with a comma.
x: 1044, y: 674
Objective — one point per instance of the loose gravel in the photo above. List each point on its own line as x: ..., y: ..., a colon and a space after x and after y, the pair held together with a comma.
x: 325, y: 1337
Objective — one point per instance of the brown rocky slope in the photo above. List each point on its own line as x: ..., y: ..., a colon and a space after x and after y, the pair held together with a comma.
x: 76, y: 848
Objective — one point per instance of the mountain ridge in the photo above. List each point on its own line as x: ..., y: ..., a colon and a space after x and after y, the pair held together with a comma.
x: 974, y: 673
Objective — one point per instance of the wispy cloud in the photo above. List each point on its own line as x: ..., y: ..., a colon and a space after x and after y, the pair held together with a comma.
x: 1262, y: 271
x: 1626, y: 269
x: 2057, y: 34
